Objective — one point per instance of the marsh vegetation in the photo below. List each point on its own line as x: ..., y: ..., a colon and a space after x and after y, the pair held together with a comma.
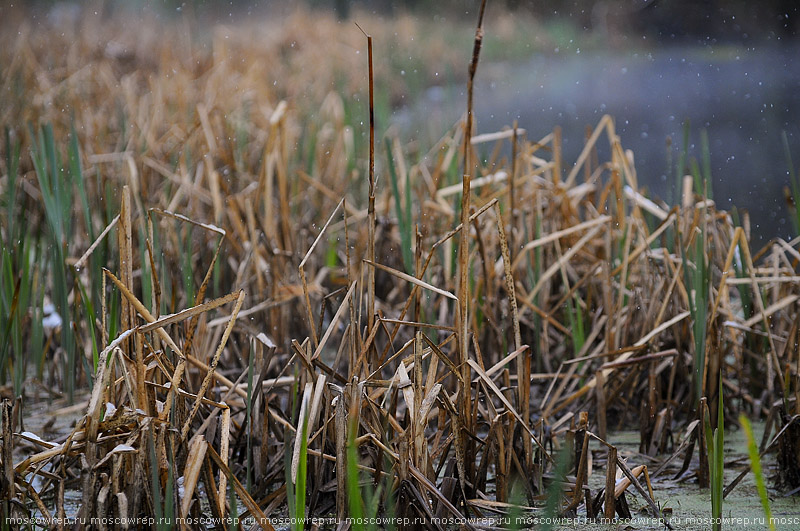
x: 258, y: 300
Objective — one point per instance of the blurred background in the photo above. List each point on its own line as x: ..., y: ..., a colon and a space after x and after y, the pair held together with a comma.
x: 720, y: 78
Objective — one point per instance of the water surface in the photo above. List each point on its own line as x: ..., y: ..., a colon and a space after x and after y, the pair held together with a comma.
x: 744, y: 97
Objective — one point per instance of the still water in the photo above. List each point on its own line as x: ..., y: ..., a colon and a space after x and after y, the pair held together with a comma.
x: 744, y: 98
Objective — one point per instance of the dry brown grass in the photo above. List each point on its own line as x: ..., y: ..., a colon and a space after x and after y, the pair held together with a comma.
x: 242, y: 193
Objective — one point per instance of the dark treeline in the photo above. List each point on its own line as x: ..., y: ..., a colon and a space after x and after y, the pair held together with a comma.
x: 676, y: 21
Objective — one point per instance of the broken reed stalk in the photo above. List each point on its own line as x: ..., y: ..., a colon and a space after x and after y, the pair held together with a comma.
x: 7, y: 488
x: 465, y: 392
x: 371, y: 208
x: 473, y: 67
x: 610, y: 495
x: 523, y: 360
x: 512, y: 222
x: 126, y: 258
x: 212, y: 368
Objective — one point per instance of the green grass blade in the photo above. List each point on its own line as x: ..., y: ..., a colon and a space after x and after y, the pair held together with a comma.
x: 169, y: 497
x: 234, y: 507
x: 300, y: 486
x: 706, y: 154
x: 7, y: 331
x: 517, y: 499
x: 575, y: 316
x: 287, y: 466
x: 698, y: 178
x: 146, y: 278
x: 403, y: 222
x: 697, y: 280
x: 353, y: 488
x: 37, y: 326
x: 158, y: 499
x: 186, y: 266
x: 715, y: 445
x: 56, y: 189
x: 76, y: 171
x: 12, y: 166
x: 719, y: 451
x: 554, y: 490
x: 89, y: 307
x: 249, y: 417
x: 755, y: 465
x: 793, y: 182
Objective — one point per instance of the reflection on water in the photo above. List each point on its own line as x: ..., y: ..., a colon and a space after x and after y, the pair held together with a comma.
x: 743, y: 97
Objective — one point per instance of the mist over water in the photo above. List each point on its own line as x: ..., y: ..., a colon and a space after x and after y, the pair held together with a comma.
x: 743, y: 97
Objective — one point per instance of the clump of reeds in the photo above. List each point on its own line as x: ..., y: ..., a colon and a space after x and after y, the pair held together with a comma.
x: 252, y: 308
